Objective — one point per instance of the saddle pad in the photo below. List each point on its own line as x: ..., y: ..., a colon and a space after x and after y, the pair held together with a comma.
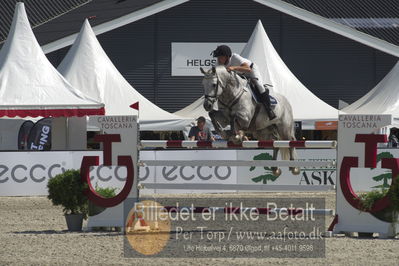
x: 256, y: 97
x: 273, y: 100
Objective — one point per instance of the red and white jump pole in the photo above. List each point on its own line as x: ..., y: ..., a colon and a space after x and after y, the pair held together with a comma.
x: 245, y: 144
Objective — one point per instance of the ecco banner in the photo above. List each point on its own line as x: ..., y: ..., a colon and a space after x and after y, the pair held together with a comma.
x: 27, y: 173
x: 187, y: 58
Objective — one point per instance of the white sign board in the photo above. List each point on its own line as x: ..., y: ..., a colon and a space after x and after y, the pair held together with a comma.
x: 119, y: 149
x: 27, y: 173
x: 188, y: 174
x: 187, y: 58
x: 357, y: 150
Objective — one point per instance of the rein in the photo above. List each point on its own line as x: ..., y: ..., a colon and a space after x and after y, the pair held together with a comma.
x: 235, y: 100
x: 215, y: 97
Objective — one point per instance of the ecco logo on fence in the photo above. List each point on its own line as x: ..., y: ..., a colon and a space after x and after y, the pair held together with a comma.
x: 188, y: 173
x: 40, y: 173
x: 105, y: 173
x: 37, y: 173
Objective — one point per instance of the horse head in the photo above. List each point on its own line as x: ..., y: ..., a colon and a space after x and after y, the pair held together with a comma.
x: 214, y: 82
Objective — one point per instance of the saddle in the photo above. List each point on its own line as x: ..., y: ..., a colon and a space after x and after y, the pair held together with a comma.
x: 255, y: 92
x: 256, y: 95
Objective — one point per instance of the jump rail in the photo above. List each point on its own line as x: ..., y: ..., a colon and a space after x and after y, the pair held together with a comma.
x: 258, y: 163
x: 242, y: 187
x: 325, y: 144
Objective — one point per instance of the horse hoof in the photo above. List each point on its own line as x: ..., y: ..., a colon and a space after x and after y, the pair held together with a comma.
x: 296, y: 171
x: 277, y: 172
x: 236, y: 139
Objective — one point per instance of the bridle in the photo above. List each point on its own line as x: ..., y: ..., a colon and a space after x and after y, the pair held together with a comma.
x: 214, y: 98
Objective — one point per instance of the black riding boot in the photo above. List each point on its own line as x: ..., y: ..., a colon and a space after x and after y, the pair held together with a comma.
x: 266, y: 102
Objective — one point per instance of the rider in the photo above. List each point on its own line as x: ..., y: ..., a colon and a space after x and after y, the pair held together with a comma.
x: 235, y: 62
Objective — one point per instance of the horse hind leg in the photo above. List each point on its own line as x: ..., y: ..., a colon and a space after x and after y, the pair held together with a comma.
x: 270, y: 133
x: 293, y: 156
x: 287, y: 133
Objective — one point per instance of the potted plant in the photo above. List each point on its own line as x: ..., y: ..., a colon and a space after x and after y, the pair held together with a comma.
x: 66, y: 189
x: 106, y: 193
x: 95, y: 210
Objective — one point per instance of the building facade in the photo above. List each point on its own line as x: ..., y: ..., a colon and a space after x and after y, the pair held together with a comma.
x: 333, y: 67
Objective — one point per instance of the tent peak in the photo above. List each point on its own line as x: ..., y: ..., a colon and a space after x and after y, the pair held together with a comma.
x: 274, y: 71
x: 87, y: 67
x: 29, y: 84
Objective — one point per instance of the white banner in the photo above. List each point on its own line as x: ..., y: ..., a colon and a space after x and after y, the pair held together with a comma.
x: 187, y: 58
x: 188, y: 174
x: 27, y: 173
x: 307, y: 177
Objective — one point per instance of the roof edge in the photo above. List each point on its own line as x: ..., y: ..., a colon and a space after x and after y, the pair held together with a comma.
x: 335, y: 27
x: 116, y: 23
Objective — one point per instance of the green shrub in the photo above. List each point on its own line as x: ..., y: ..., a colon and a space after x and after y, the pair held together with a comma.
x: 106, y: 192
x: 67, y: 190
x: 368, y: 199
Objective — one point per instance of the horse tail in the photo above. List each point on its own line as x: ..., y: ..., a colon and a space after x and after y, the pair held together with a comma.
x: 277, y: 133
x: 286, y: 129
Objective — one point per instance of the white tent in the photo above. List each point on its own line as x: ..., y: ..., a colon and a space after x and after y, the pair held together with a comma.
x: 31, y: 87
x: 194, y: 110
x: 29, y: 84
x: 382, y: 99
x: 88, y: 68
x: 306, y: 106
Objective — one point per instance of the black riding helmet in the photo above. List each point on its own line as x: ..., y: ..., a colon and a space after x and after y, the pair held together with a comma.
x: 222, y: 50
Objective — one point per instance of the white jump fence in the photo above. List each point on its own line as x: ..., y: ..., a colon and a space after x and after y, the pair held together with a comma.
x: 145, y: 144
x: 358, y: 148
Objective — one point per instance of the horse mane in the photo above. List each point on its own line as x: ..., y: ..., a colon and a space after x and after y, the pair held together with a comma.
x: 229, y: 79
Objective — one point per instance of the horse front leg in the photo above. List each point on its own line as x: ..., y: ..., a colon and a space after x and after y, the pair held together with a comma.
x: 235, y: 135
x: 275, y: 169
x: 294, y: 170
x: 215, y: 117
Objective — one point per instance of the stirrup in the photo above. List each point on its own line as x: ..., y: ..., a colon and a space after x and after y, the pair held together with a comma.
x: 269, y: 114
x: 271, y: 119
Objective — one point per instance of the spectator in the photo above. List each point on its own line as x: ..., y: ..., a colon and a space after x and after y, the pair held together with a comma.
x: 393, y: 137
x: 200, y: 131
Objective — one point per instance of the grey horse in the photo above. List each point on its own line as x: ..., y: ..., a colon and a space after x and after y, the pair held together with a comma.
x: 236, y: 107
